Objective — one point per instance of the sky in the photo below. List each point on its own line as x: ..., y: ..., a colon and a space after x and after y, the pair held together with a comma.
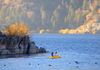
x: 51, y: 16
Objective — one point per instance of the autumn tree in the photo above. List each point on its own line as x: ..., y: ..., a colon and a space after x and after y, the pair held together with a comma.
x: 17, y: 29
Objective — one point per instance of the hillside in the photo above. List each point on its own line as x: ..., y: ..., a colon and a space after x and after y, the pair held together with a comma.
x: 49, y: 16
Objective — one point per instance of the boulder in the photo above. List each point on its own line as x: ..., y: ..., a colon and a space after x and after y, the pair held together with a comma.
x: 5, y: 52
x: 12, y: 45
x: 2, y: 47
x: 42, y: 50
x: 19, y: 49
x: 33, y: 49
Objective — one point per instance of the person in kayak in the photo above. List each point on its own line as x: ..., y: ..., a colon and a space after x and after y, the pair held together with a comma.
x: 56, y: 53
x: 52, y: 54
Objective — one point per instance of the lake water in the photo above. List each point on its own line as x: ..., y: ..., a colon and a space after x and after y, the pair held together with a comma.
x: 78, y: 52
x: 89, y: 44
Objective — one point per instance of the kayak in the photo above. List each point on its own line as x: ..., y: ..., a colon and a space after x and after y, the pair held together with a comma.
x: 54, y: 57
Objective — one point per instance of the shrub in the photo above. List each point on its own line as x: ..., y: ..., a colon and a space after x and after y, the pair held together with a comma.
x: 16, y: 29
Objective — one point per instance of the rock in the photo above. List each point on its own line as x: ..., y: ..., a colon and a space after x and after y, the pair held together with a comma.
x: 12, y: 45
x: 96, y: 63
x: 42, y: 50
x: 49, y: 65
x: 5, y: 52
x: 26, y: 44
x: 33, y: 48
x: 19, y: 49
x: 4, y: 65
x: 69, y: 63
x: 2, y: 47
x: 76, y: 62
x: 12, y: 50
x: 29, y: 64
x: 38, y: 64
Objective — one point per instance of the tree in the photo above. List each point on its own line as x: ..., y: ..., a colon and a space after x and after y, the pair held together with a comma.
x: 16, y: 29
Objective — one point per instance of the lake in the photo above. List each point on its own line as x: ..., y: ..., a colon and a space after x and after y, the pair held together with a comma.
x: 78, y: 52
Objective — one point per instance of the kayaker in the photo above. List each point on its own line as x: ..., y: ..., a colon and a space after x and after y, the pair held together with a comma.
x: 55, y: 52
x: 52, y: 54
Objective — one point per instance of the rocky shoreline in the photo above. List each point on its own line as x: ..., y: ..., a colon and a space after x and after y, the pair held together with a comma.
x: 16, y: 45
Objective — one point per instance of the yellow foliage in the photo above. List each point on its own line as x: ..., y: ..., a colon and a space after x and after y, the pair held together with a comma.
x: 19, y: 29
